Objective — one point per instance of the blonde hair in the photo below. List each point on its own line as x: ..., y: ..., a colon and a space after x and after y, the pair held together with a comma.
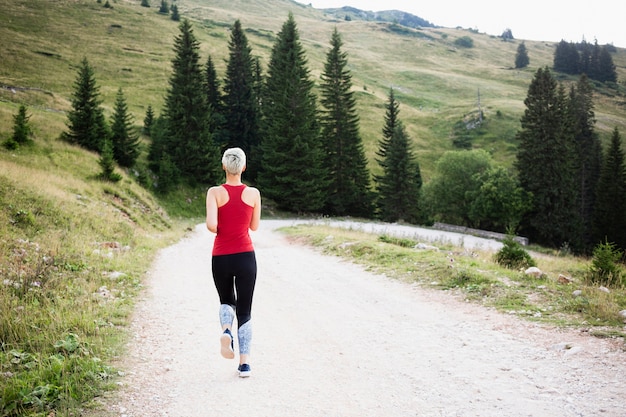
x: 234, y: 161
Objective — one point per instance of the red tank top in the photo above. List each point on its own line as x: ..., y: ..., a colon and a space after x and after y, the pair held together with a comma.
x: 233, y: 223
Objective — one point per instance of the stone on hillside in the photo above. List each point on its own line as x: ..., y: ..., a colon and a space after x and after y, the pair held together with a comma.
x: 534, y: 271
x: 564, y: 280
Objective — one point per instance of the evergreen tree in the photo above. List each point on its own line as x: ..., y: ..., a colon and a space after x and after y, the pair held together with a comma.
x: 148, y: 121
x: 507, y: 35
x: 175, y: 16
x: 215, y: 101
x: 86, y: 122
x: 164, y: 8
x: 546, y: 164
x: 566, y: 58
x: 400, y: 184
x: 349, y: 190
x: 585, y: 53
x: 213, y: 94
x: 107, y: 163
x: 158, y: 134
x: 293, y: 173
x: 145, y: 3
x: 241, y: 112
x: 123, y: 136
x: 610, y: 216
x: 187, y: 139
x: 588, y: 153
x: 521, y: 57
x: 391, y: 122
x: 22, y: 131
x: 606, y: 71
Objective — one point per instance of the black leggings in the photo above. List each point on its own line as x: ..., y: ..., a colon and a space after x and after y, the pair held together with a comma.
x: 234, y: 276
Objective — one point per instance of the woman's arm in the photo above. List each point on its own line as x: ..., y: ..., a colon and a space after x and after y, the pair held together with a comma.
x: 211, y: 209
x: 256, y: 214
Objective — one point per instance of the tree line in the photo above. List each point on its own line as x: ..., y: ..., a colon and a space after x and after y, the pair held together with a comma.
x: 593, y: 60
x: 307, y: 155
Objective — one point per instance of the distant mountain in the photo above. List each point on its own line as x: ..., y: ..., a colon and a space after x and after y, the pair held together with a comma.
x: 390, y: 16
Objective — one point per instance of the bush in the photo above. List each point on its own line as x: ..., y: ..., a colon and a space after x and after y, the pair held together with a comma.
x: 604, y: 268
x: 464, y: 42
x: 513, y: 256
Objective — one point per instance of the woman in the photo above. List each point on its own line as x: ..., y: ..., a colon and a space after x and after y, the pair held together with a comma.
x: 232, y: 209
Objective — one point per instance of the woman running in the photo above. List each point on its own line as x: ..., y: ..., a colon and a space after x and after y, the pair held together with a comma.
x: 232, y: 209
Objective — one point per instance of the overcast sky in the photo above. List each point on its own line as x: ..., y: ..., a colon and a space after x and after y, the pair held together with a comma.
x: 540, y: 20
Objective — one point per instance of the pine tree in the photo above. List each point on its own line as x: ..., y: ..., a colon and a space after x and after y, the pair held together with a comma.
x: 293, y: 173
x: 589, y: 153
x: 86, y: 122
x: 241, y: 112
x: 349, y: 190
x: 566, y: 58
x: 391, y: 122
x: 187, y: 139
x: 400, y: 184
x: 606, y: 68
x: 22, y: 132
x: 213, y: 94
x: 546, y: 164
x: 145, y: 3
x: 215, y: 101
x: 164, y: 8
x: 585, y: 53
x: 123, y: 136
x: 610, y: 216
x: 175, y: 16
x: 107, y: 163
x: 521, y: 57
x: 148, y: 121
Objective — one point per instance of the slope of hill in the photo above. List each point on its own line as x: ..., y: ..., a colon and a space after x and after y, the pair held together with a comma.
x: 437, y: 83
x: 390, y: 16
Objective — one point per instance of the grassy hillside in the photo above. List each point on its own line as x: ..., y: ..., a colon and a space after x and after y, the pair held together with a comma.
x: 436, y: 82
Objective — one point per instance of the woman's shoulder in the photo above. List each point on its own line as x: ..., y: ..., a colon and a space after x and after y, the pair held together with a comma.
x: 252, y: 190
x: 216, y: 190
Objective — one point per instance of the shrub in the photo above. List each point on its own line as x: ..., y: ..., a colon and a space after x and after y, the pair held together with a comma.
x: 513, y: 256
x: 464, y: 42
x: 604, y: 268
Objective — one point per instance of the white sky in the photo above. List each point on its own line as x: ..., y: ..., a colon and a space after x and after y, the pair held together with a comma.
x: 539, y: 20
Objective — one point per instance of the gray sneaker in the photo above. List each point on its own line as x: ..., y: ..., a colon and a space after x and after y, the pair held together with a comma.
x: 226, y: 342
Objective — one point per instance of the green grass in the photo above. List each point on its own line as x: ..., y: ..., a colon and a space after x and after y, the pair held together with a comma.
x: 73, y: 254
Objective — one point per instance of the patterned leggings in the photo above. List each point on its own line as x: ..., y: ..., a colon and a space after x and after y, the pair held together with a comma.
x: 235, y: 276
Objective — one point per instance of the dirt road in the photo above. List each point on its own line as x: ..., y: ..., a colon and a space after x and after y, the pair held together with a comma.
x: 332, y: 340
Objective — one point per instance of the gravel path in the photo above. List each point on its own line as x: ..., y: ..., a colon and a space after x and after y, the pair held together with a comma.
x: 332, y: 340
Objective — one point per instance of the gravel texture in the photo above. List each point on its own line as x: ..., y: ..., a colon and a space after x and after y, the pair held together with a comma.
x: 333, y: 340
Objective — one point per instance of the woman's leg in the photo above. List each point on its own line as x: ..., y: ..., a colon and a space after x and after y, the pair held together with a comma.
x: 245, y: 281
x: 224, y: 283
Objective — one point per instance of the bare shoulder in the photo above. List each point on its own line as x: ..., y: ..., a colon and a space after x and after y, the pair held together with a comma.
x: 215, y: 190
x: 251, y: 196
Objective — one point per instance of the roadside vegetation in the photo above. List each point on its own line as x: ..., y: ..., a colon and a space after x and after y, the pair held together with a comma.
x: 73, y: 254
x: 568, y: 292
